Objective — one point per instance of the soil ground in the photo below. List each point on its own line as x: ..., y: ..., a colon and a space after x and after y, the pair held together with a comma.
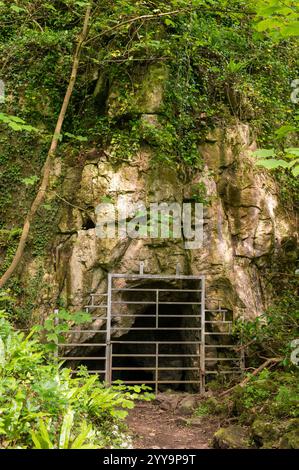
x: 154, y: 428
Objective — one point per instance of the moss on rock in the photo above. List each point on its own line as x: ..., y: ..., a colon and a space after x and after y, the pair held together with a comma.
x: 232, y: 437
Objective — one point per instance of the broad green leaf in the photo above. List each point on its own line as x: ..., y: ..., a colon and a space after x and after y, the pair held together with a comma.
x: 14, y: 126
x: 293, y: 163
x: 272, y: 164
x: 268, y: 11
x: 121, y: 414
x: 269, y: 23
x: 295, y: 170
x: 44, y: 436
x: 36, y: 441
x: 285, y: 130
x: 66, y: 427
x: 291, y: 29
x: 16, y: 119
x: 264, y: 153
x: 293, y: 151
x: 85, y: 431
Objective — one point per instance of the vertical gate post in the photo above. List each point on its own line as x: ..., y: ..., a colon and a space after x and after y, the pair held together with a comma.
x: 203, y: 337
x: 157, y: 369
x: 108, y: 377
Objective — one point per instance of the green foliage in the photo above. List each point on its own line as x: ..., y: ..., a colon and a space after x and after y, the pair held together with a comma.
x: 274, y: 394
x: 16, y: 123
x: 255, y: 393
x: 203, y: 410
x: 68, y: 438
x: 42, y: 405
x: 271, y: 334
x: 291, y: 161
x: 57, y: 325
x: 213, y: 64
x: 30, y: 181
x: 278, y: 19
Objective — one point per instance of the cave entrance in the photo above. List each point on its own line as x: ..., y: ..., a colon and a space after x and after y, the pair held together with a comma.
x: 155, y: 331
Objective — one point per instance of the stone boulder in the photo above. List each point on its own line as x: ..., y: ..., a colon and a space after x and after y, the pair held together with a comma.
x: 232, y: 437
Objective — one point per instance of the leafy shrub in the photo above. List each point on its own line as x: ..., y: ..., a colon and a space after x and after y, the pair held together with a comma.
x: 271, y: 334
x: 274, y: 394
x: 42, y: 405
x: 57, y: 325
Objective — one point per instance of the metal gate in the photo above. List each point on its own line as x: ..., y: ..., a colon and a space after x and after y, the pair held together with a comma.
x: 156, y: 330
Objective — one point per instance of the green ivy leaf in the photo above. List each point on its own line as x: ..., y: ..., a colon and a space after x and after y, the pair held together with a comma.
x: 30, y: 181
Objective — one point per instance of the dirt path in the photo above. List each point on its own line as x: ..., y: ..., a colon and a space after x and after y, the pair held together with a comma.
x: 156, y: 428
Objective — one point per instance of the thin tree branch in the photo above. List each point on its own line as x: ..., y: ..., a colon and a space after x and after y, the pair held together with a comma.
x: 163, y: 14
x: 269, y: 362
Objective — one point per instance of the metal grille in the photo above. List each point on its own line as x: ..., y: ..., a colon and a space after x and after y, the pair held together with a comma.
x: 155, y: 330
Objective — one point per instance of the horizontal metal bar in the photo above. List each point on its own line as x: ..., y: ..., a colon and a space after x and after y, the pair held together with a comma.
x: 95, y: 306
x: 154, y: 355
x: 96, y: 295
x: 154, y: 368
x: 155, y: 342
x: 158, y: 328
x: 129, y: 289
x: 145, y: 315
x: 86, y: 331
x: 227, y: 333
x: 93, y: 372
x: 179, y: 355
x: 216, y: 310
x: 156, y: 276
x: 237, y: 371
x: 150, y: 302
x: 216, y: 322
x: 83, y: 358
x: 222, y: 359
x: 170, y: 382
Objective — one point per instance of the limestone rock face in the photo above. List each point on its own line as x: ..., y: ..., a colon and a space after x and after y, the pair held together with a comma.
x: 245, y: 224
